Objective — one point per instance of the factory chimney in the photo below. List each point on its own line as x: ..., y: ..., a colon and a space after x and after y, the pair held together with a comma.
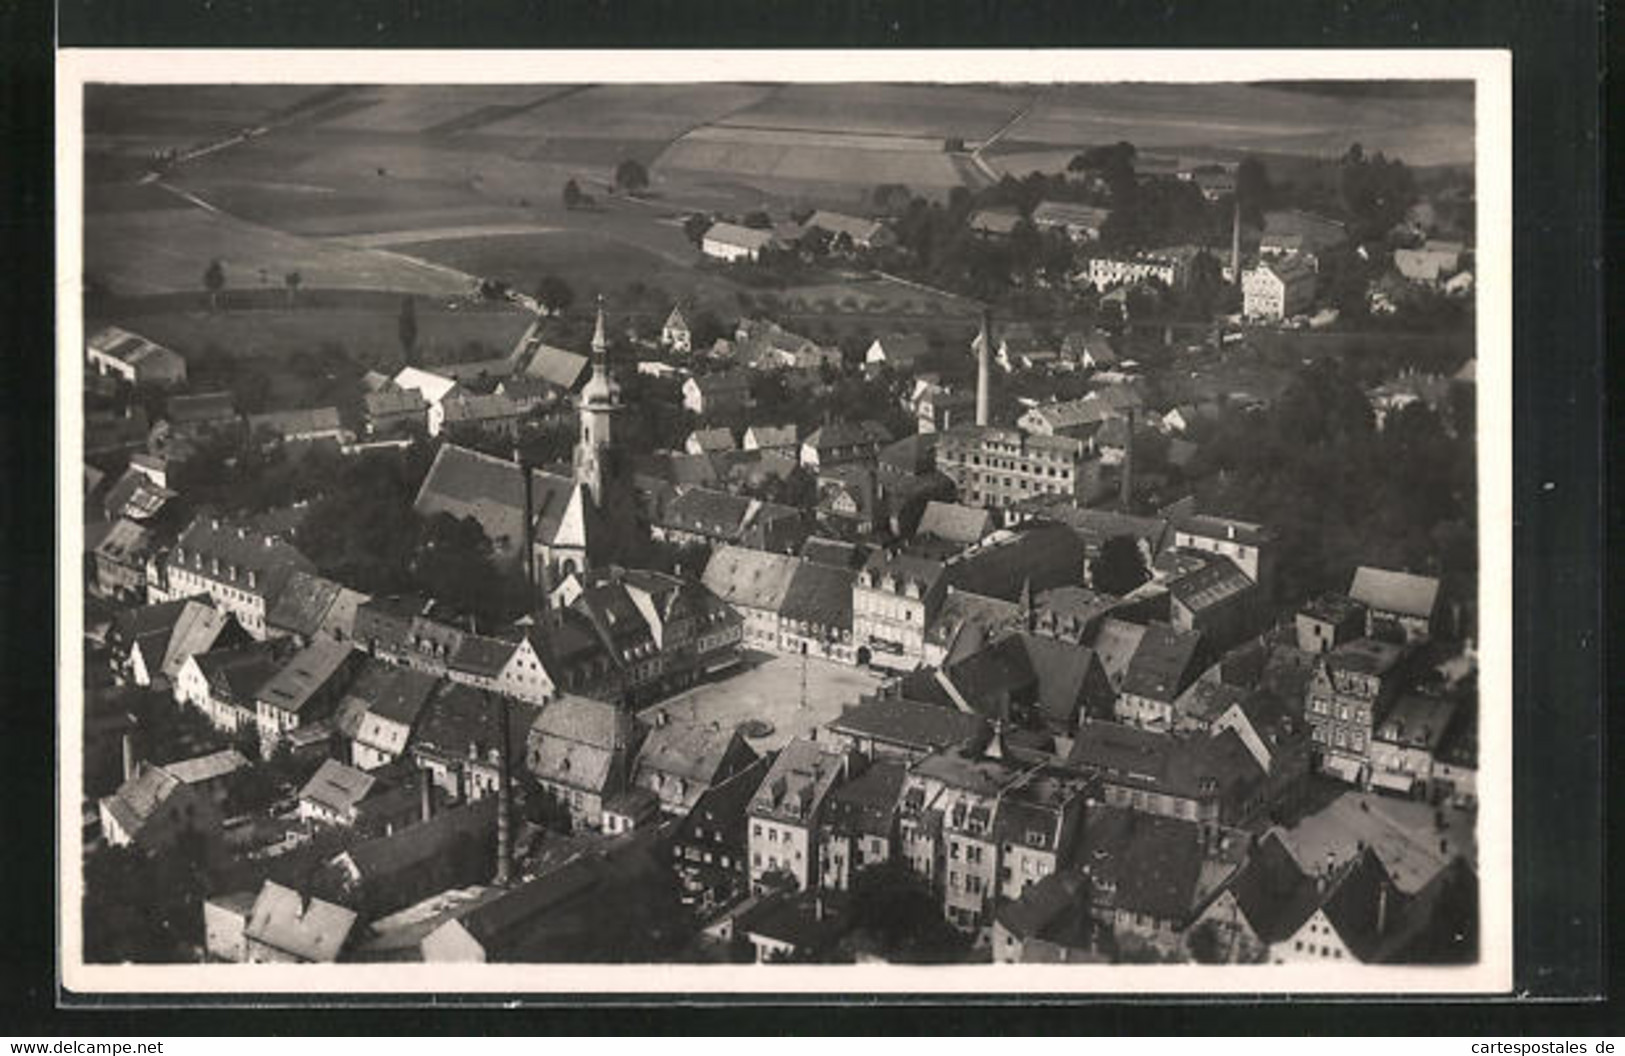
x: 1235, y: 244
x: 1127, y: 497
x: 984, y: 343
x: 529, y: 533
x: 425, y: 795
x: 504, y: 875
x: 130, y: 764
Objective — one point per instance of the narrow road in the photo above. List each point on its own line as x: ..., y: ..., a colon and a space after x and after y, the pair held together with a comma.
x: 976, y: 155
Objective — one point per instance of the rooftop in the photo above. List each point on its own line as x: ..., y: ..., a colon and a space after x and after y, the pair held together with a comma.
x: 1400, y: 592
x: 800, y: 778
x: 919, y: 726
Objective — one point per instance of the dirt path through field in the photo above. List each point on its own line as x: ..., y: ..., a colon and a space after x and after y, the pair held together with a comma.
x: 379, y: 239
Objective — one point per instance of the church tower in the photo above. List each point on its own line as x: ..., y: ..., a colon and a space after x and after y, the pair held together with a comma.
x: 599, y: 403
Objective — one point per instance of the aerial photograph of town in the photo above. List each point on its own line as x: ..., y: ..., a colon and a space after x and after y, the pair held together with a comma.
x: 748, y: 523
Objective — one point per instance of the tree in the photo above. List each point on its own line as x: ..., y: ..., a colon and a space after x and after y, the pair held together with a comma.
x: 631, y: 176
x: 759, y: 220
x: 453, y: 562
x: 891, y: 198
x: 554, y: 295
x: 214, y: 280
x: 292, y: 280
x: 572, y: 194
x: 407, y: 330
x: 1253, y: 190
x: 1120, y: 567
x: 695, y: 225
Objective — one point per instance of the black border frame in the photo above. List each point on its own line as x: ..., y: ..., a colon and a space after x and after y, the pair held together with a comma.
x: 1560, y: 931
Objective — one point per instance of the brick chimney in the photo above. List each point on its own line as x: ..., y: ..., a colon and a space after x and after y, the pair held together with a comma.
x: 130, y: 763
x: 425, y: 795
x: 1127, y: 497
x: 504, y: 874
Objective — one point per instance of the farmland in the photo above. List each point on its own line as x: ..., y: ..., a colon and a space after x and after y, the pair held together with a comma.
x: 1233, y: 118
x: 364, y: 327
x: 932, y: 111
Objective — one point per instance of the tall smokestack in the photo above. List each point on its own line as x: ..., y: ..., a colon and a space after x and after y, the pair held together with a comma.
x: 425, y: 795
x: 1235, y: 244
x: 1382, y: 909
x: 530, y: 533
x: 504, y: 797
x: 984, y: 349
x: 128, y: 745
x: 1127, y: 497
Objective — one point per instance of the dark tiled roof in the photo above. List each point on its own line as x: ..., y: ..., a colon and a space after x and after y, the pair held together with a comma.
x: 303, y: 603
x: 308, y: 671
x: 394, y: 693
x: 955, y: 523
x: 867, y: 803
x: 1273, y: 892
x: 914, y: 724
x: 820, y: 595
x: 1163, y: 665
x: 200, y: 407
x: 482, y: 656
x: 459, y: 721
x: 1152, y: 862
x: 1214, y: 584
x: 379, y: 860
x: 1401, y: 592
x: 843, y: 433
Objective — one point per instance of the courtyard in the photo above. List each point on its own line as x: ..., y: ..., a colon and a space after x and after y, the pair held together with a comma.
x: 768, y: 689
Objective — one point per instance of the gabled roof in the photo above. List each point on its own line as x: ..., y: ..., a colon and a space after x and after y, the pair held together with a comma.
x: 140, y: 797
x: 1162, y: 665
x: 130, y: 348
x: 556, y: 366
x: 750, y: 578
x: 867, y: 803
x: 1390, y: 591
x: 459, y: 722
x: 903, y: 349
x: 1116, y: 643
x: 912, y: 724
x: 843, y: 433
x: 820, y: 595
x: 210, y: 767
x: 795, y: 787
x: 675, y: 320
x: 721, y: 383
x: 1216, y: 582
x: 134, y: 495
x: 394, y: 401
x: 742, y: 237
x: 860, y: 229
x: 466, y: 483
x: 379, y: 860
x: 337, y: 786
x: 434, y: 387
x: 1273, y: 892
x: 291, y: 688
x: 200, y: 407
x: 237, y: 675
x: 1151, y: 864
x: 473, y: 407
x: 303, y: 604
x: 717, y: 438
x: 773, y: 435
x: 482, y: 656
x: 396, y: 694
x: 1070, y: 213
x: 694, y: 751
x: 955, y: 523
x: 289, y: 423
x: 312, y: 930
x: 994, y: 221
x: 597, y: 723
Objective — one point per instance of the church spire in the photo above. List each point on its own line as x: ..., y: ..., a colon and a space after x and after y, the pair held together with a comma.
x: 599, y: 345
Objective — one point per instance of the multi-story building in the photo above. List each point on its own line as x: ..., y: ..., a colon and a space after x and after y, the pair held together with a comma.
x: 1168, y: 268
x: 1277, y: 289
x: 240, y: 569
x: 1407, y: 741
x: 1351, y: 687
x: 859, y: 824
x: 1249, y: 545
x: 1212, y: 780
x: 980, y: 825
x: 1327, y: 621
x: 711, y: 850
x: 580, y: 753
x: 755, y: 583
x: 305, y: 690
x: 999, y: 467
x: 894, y: 600
x: 786, y: 811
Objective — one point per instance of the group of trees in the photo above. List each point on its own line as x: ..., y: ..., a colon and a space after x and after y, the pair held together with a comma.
x: 1316, y: 468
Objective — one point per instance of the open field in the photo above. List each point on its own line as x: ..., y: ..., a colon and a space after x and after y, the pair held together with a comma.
x: 770, y: 690
x: 162, y: 250
x: 798, y: 161
x: 181, y: 113
x: 365, y: 328
x: 935, y: 111
x: 430, y: 108
x: 631, y: 111
x: 1242, y: 117
x: 587, y: 263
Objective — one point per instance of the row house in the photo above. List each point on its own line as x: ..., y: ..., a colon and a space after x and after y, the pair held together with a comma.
x: 304, y: 425
x: 458, y: 737
x: 1407, y: 741
x: 711, y: 517
x: 754, y: 583
x: 816, y: 616
x: 224, y: 684
x: 119, y: 560
x: 380, y: 712
x: 710, y: 850
x: 838, y: 442
x: 392, y: 411
x: 1213, y: 781
x: 1352, y: 686
x: 580, y: 752
x: 241, y: 570
x: 305, y: 690
x: 1168, y: 267
x: 950, y: 831
x: 678, y: 762
x: 895, y: 599
x: 786, y: 812
x: 1151, y: 878
x: 709, y: 395
x: 859, y: 824
x: 1163, y: 667
x: 1250, y: 546
x: 891, y: 727
x: 344, y: 796
x: 151, y: 643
